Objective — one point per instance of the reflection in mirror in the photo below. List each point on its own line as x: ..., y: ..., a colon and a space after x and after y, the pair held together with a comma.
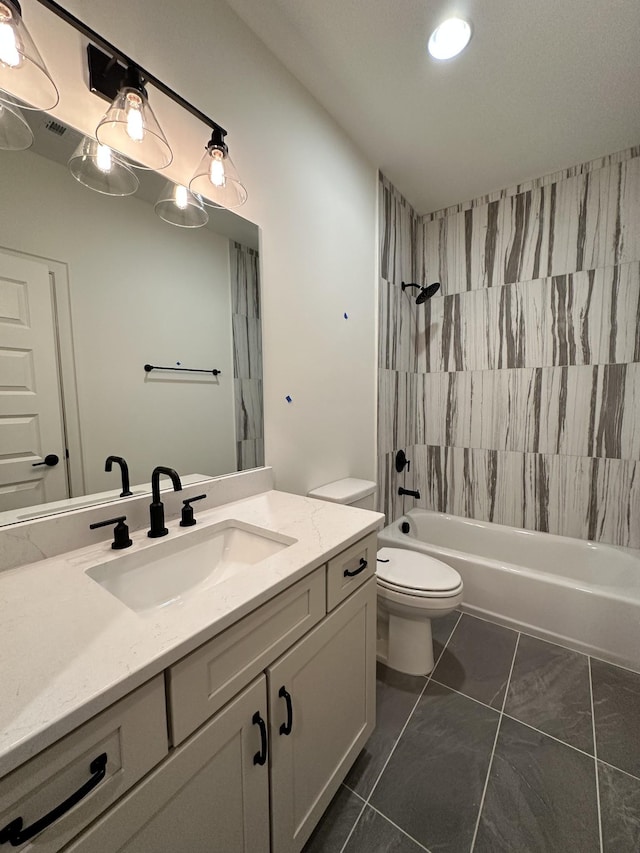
x: 94, y: 287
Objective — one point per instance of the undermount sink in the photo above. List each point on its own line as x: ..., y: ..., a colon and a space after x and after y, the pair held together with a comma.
x: 181, y: 567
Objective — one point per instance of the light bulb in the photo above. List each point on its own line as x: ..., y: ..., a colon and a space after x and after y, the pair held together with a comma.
x: 9, y: 44
x: 449, y: 39
x: 135, y: 119
x: 216, y: 169
x: 104, y: 161
x: 182, y: 197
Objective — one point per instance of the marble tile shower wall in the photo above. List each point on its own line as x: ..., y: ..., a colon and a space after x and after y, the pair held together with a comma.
x: 516, y: 390
x: 247, y: 355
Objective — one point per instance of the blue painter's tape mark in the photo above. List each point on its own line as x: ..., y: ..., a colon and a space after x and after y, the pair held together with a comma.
x: 288, y: 399
x: 346, y: 316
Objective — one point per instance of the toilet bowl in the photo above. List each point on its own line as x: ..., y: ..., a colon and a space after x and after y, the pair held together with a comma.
x: 413, y: 589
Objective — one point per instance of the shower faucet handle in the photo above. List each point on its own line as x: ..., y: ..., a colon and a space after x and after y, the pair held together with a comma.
x: 402, y: 461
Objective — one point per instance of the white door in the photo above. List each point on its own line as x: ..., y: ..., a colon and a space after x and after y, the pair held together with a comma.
x: 30, y: 408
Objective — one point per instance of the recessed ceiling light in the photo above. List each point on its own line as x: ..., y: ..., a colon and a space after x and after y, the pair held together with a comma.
x: 449, y: 39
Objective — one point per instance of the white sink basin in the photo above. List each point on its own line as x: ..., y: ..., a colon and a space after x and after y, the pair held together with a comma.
x: 181, y: 567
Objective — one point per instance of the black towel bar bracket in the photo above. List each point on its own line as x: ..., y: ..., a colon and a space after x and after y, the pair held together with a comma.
x: 150, y: 367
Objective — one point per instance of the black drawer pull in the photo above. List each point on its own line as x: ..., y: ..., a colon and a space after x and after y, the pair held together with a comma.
x: 363, y: 565
x: 15, y: 835
x: 285, y: 728
x: 261, y: 756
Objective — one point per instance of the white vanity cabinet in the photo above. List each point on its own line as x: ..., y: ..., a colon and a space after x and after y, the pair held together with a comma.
x: 321, y: 713
x: 211, y: 794
x: 262, y: 724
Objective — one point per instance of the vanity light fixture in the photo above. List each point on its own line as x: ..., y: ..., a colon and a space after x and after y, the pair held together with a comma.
x: 15, y: 133
x: 216, y: 179
x: 131, y: 128
x: 179, y: 206
x: 449, y: 39
x: 23, y: 73
x: 96, y: 166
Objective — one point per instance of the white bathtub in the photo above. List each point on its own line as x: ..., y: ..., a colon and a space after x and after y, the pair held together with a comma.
x: 577, y: 593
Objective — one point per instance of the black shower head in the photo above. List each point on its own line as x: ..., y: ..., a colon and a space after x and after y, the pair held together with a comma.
x: 425, y: 292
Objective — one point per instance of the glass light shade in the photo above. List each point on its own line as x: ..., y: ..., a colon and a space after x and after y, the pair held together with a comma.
x: 216, y: 179
x: 179, y: 206
x: 23, y: 74
x: 131, y: 128
x: 97, y: 167
x: 449, y: 39
x: 15, y: 133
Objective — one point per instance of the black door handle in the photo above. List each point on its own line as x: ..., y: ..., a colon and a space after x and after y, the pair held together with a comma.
x: 51, y: 460
x: 363, y: 565
x: 285, y: 728
x: 261, y: 756
x: 15, y: 835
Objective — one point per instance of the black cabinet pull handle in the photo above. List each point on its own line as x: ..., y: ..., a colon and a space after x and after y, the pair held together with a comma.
x: 261, y: 756
x: 363, y: 565
x: 50, y: 460
x: 285, y: 728
x: 15, y: 835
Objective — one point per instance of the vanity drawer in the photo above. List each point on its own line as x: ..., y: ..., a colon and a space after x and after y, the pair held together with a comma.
x: 349, y: 569
x: 102, y: 759
x: 206, y: 679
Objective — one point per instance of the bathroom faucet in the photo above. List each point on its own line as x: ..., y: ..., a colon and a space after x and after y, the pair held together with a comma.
x: 156, y: 507
x: 413, y: 494
x: 124, y: 470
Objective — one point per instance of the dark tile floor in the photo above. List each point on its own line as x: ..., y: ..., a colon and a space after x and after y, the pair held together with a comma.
x: 512, y: 744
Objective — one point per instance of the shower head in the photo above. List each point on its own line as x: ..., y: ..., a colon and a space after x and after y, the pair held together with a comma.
x: 425, y: 292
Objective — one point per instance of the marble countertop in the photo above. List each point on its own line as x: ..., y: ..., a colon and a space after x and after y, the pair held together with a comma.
x: 69, y: 649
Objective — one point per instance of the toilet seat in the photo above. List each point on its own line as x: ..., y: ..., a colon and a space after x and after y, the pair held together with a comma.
x: 415, y: 574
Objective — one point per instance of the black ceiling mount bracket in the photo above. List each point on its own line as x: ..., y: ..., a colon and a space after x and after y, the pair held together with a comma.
x: 124, y: 61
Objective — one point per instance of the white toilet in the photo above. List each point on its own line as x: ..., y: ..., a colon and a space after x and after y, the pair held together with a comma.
x: 413, y: 589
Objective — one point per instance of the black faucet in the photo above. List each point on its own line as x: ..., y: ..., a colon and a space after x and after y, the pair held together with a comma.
x: 156, y: 508
x: 124, y: 469
x: 412, y: 494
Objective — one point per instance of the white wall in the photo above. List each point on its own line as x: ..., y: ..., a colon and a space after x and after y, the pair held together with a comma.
x: 140, y: 291
x: 310, y: 190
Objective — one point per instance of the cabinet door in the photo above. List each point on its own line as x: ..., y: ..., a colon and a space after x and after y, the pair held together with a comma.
x: 322, y: 710
x: 210, y: 796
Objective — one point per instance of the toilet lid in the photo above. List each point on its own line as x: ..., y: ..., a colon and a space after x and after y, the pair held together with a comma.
x: 414, y: 570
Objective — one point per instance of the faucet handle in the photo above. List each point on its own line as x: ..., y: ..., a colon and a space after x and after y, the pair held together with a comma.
x: 120, y: 533
x: 188, y: 519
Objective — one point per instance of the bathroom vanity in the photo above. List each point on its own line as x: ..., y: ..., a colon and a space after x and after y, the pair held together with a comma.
x: 220, y: 714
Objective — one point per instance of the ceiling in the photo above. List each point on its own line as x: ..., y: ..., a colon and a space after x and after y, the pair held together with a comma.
x: 542, y: 85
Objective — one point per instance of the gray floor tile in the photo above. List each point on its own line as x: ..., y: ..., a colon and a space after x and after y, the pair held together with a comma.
x: 441, y: 629
x: 549, y: 689
x: 620, y: 810
x: 541, y: 796
x: 374, y: 834
x: 433, y: 783
x: 616, y: 708
x: 335, y: 824
x: 477, y: 660
x: 396, y: 694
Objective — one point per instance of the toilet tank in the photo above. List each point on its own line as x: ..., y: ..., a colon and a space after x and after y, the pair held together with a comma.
x: 350, y: 491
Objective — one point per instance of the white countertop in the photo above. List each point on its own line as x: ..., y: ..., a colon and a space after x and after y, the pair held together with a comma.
x: 69, y: 649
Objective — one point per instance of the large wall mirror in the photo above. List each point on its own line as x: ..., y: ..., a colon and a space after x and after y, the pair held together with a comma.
x: 93, y: 288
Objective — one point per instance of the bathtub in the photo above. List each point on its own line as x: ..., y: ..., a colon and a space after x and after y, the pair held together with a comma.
x: 570, y: 591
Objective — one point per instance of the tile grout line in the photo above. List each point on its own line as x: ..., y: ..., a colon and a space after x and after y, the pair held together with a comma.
x: 393, y: 749
x: 550, y: 642
x: 595, y: 758
x: 495, y: 742
x: 533, y: 728
x: 399, y: 828
x: 426, y: 684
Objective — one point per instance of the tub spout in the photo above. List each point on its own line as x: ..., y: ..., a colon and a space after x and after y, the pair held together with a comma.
x: 411, y: 494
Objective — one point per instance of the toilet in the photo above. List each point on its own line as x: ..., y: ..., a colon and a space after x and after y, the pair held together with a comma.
x: 413, y: 589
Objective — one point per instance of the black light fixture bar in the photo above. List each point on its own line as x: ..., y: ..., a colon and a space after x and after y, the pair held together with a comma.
x: 124, y: 60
